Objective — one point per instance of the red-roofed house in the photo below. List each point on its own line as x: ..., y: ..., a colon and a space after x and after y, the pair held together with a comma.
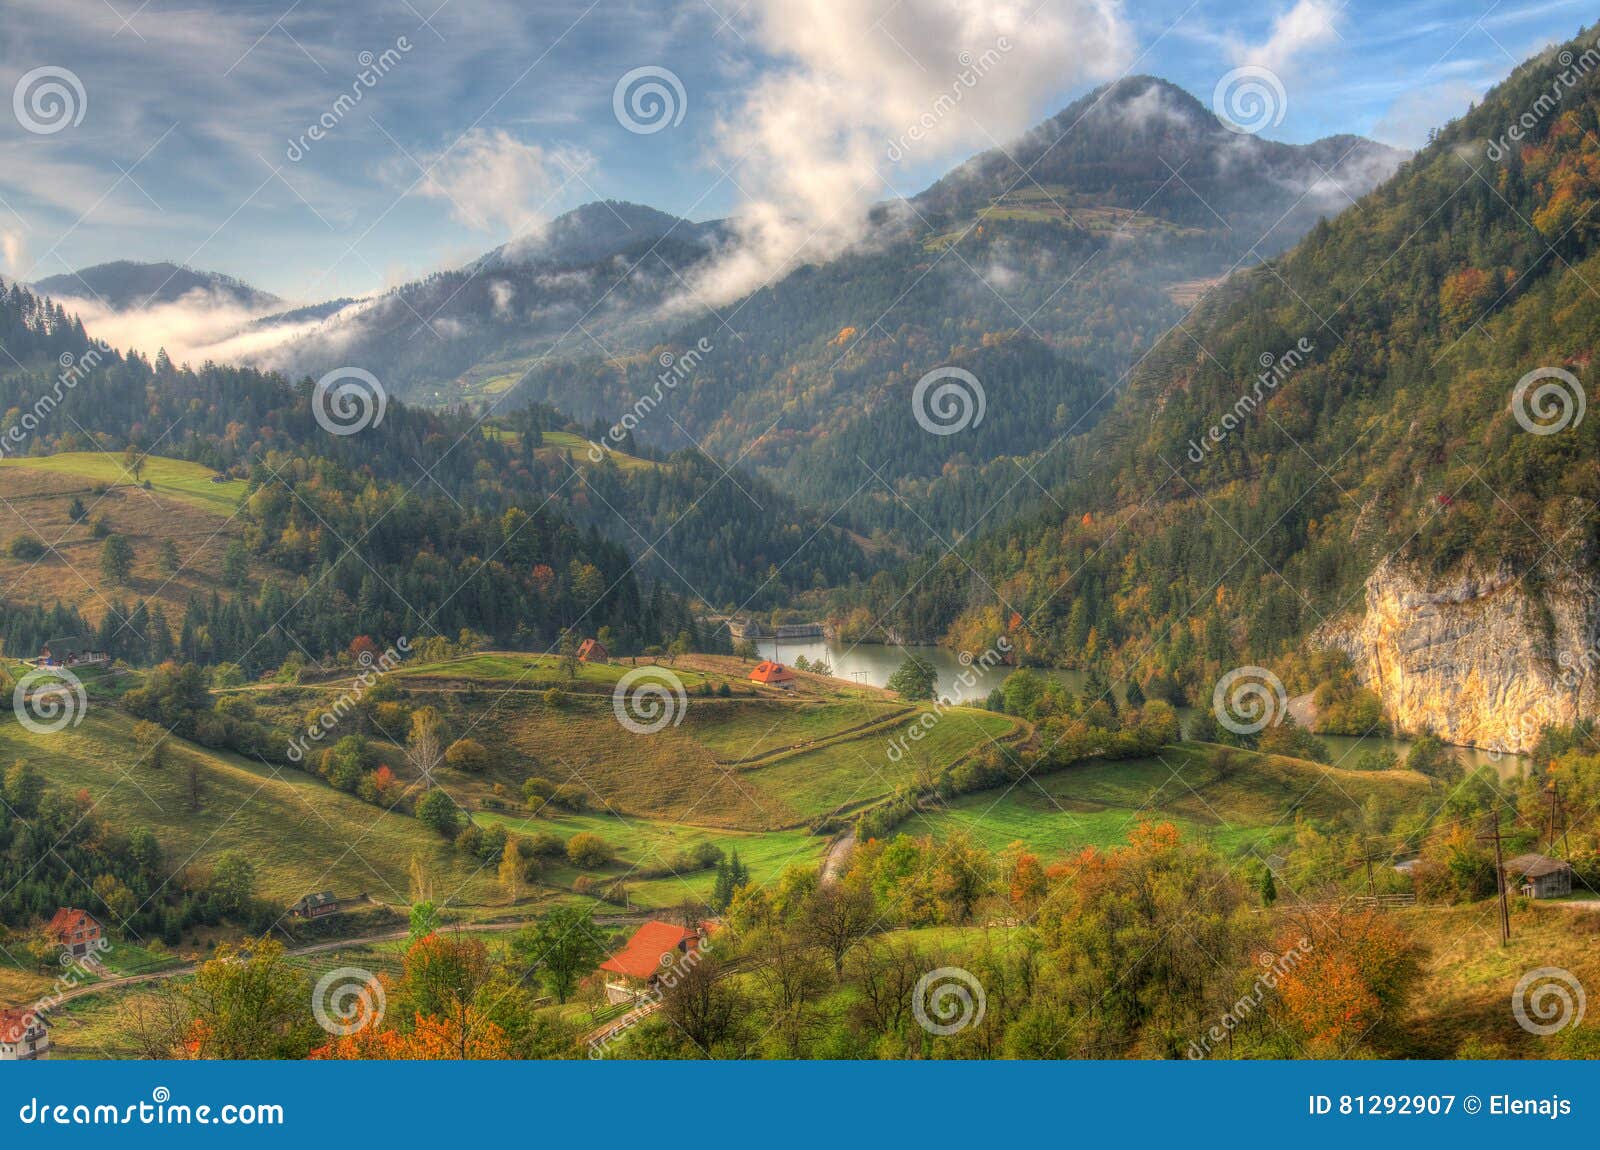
x: 76, y: 930
x: 23, y: 1036
x: 773, y: 674
x: 654, y: 947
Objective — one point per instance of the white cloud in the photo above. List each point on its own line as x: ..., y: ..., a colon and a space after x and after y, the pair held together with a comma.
x: 198, y: 326
x: 493, y: 181
x: 13, y: 252
x: 810, y: 143
x: 1308, y: 25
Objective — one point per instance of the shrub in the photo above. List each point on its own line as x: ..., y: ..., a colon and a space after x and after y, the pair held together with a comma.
x: 467, y: 755
x: 589, y: 850
x: 437, y: 810
x: 26, y: 547
x: 572, y: 796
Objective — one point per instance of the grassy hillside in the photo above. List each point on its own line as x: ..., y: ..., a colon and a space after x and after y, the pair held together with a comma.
x: 181, y: 505
x: 302, y: 835
x: 1237, y: 802
x: 175, y: 479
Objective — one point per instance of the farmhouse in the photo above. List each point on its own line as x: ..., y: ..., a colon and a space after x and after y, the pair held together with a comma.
x: 654, y: 948
x: 23, y: 1036
x: 1541, y: 876
x: 76, y: 930
x: 593, y: 651
x: 322, y: 904
x: 773, y: 674
x: 86, y: 658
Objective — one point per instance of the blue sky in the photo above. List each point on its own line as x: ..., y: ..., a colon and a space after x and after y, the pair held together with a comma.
x: 189, y: 141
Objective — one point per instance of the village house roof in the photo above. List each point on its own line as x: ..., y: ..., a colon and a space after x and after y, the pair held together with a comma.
x: 69, y: 921
x: 652, y: 942
x: 321, y: 898
x: 592, y: 649
x: 15, y: 1023
x: 769, y: 672
x: 1536, y: 865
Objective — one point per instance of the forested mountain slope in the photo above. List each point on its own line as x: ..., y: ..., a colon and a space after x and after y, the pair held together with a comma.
x: 420, y: 522
x: 1371, y: 483
x: 1045, y: 269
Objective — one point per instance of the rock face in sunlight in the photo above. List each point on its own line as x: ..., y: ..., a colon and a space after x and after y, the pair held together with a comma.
x: 1481, y: 658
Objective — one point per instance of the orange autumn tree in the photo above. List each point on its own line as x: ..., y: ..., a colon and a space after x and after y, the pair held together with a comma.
x: 1356, y: 973
x: 471, y: 1037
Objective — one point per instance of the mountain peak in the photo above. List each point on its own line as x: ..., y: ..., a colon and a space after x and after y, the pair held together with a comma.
x: 126, y: 284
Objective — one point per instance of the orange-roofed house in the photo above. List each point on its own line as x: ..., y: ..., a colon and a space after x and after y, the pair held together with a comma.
x: 76, y: 930
x: 654, y: 948
x: 773, y: 674
x: 23, y: 1036
x: 593, y: 651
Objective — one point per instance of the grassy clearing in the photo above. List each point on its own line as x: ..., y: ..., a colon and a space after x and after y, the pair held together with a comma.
x: 178, y: 479
x: 534, y: 672
x: 846, y: 774
x: 1469, y: 977
x: 645, y: 846
x: 301, y: 834
x: 1251, y: 803
x: 182, y: 506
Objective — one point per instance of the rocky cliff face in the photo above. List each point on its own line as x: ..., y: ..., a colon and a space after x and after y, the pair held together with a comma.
x: 1478, y: 658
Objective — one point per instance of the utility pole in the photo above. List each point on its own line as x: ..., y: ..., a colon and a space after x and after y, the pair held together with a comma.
x: 1557, y: 811
x: 1499, y: 877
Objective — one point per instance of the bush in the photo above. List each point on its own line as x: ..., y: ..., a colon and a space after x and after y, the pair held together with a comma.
x: 536, y: 792
x: 26, y: 547
x: 572, y: 796
x: 467, y: 755
x: 589, y: 850
x: 438, y: 811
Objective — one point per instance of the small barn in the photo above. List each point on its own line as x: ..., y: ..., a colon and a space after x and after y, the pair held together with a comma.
x: 1540, y: 876
x: 315, y: 905
x: 76, y: 930
x: 23, y: 1035
x: 593, y: 651
x: 773, y: 675
x: 654, y: 948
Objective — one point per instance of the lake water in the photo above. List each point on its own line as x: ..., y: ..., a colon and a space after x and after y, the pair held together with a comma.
x: 873, y: 663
